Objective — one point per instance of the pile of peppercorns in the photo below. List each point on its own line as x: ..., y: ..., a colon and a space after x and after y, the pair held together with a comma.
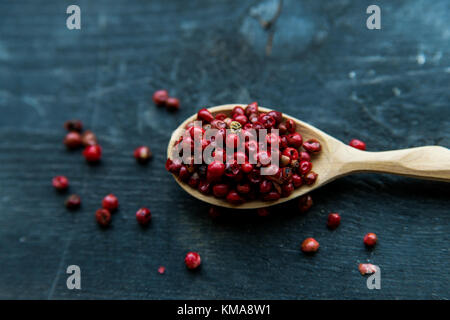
x: 242, y: 181
x: 76, y: 138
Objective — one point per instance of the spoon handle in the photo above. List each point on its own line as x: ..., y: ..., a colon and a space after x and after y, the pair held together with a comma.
x: 429, y: 162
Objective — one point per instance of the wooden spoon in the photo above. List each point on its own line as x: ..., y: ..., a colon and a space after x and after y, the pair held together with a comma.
x: 338, y: 159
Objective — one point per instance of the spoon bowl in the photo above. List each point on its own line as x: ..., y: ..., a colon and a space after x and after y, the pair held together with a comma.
x: 336, y: 160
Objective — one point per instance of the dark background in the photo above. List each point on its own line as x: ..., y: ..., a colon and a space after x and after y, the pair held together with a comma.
x: 388, y: 87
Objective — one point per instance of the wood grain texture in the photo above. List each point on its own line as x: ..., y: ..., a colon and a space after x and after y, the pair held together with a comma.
x: 387, y: 87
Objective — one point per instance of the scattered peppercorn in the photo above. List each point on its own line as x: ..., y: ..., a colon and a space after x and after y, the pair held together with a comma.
x: 305, y: 202
x: 172, y: 104
x: 60, y: 183
x: 160, y: 97
x: 334, y: 219
x: 367, y: 268
x: 93, y: 153
x: 142, y: 154
x: 192, y: 260
x: 370, y: 239
x: 103, y: 217
x: 143, y: 216
x: 161, y: 270
x: 310, y: 245
x: 73, y: 202
x: 88, y: 138
x: 73, y: 125
x: 110, y: 202
x: 358, y: 144
x: 73, y: 140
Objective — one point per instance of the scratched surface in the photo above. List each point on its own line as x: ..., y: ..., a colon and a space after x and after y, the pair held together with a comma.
x: 389, y: 88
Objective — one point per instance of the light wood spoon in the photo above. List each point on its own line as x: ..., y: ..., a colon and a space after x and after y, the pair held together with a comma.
x: 338, y: 159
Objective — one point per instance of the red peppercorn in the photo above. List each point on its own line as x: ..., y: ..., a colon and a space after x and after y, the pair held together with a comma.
x: 194, y: 180
x: 92, y: 153
x: 142, y: 154
x: 160, y: 97
x: 305, y: 167
x: 290, y: 125
x: 287, y: 189
x: 358, y: 144
x: 220, y: 190
x: 312, y: 146
x: 183, y: 174
x: 243, y: 188
x: 88, y: 138
x: 267, y: 121
x: 242, y: 119
x: 265, y: 186
x: 221, y: 116
x: 271, y: 196
x: 215, y: 171
x: 143, y: 216
x: 237, y: 111
x: 214, y: 212
x: 291, y: 153
x: 297, y: 180
x: 367, y: 268
x: 370, y: 239
x: 73, y: 202
x: 304, y: 156
x: 73, y: 140
x: 246, y: 167
x: 161, y: 270
x: 110, y: 202
x: 310, y: 245
x: 60, y: 183
x: 277, y: 115
x: 205, y: 115
x: 334, y: 219
x: 295, y: 140
x: 234, y: 198
x: 305, y: 202
x: 192, y: 260
x: 172, y: 104
x: 73, y: 125
x: 204, y: 186
x: 310, y: 178
x: 252, y: 108
x: 282, y: 129
x: 103, y: 217
x: 263, y: 212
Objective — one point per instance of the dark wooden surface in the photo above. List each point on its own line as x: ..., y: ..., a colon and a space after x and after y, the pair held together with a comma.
x: 389, y: 88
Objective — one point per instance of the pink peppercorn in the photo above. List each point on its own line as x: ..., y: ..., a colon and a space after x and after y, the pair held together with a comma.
x: 310, y: 245
x: 60, y: 183
x: 161, y: 270
x: 73, y: 140
x: 370, y: 240
x: 103, y: 217
x: 110, y: 202
x: 160, y: 97
x: 358, y: 144
x: 92, y: 153
x: 334, y: 219
x: 192, y: 260
x: 142, y: 154
x: 172, y: 104
x: 73, y: 202
x: 143, y: 216
x: 305, y: 202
